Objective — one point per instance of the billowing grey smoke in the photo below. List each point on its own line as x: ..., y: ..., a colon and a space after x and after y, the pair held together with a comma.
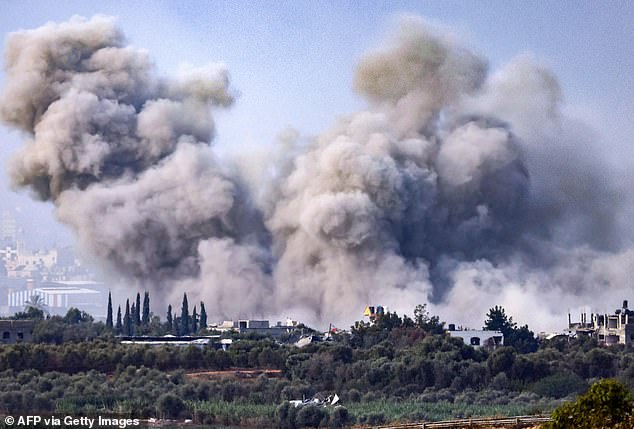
x: 455, y: 185
x: 122, y: 155
x: 391, y: 192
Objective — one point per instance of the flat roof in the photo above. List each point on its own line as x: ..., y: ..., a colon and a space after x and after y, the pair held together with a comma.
x: 74, y: 282
x: 67, y: 290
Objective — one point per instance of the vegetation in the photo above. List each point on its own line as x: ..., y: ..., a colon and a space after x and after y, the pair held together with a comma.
x: 109, y: 323
x: 607, y: 405
x: 396, y: 369
x: 184, y: 320
x: 522, y: 339
x: 145, y: 319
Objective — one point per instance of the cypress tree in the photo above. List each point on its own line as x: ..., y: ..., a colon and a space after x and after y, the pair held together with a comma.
x: 127, y: 322
x: 203, y: 317
x: 119, y: 325
x: 184, y: 322
x: 177, y: 326
x: 132, y: 314
x: 170, y: 319
x: 137, y: 315
x: 109, y: 316
x: 194, y: 320
x: 145, y: 319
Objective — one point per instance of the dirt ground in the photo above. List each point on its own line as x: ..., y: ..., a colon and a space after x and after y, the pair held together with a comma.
x: 235, y: 374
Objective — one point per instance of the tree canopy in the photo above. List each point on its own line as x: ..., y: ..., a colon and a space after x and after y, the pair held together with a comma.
x: 522, y: 338
x: 607, y: 405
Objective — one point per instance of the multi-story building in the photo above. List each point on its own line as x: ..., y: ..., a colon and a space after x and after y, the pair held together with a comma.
x: 8, y: 227
x: 608, y: 329
x: 20, y: 262
x: 617, y: 328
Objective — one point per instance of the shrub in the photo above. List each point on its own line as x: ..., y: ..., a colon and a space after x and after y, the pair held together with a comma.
x: 607, y: 405
x: 375, y: 419
x: 169, y: 406
x: 286, y: 415
x: 340, y: 417
x: 559, y: 385
x: 311, y: 416
x: 354, y: 395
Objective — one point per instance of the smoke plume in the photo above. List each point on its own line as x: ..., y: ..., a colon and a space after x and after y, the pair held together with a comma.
x: 456, y: 185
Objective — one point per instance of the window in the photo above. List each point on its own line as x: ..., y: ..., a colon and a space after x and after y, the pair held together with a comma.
x: 6, y: 335
x: 475, y: 341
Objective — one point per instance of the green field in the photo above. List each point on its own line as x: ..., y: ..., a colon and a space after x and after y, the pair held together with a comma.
x: 379, y: 411
x: 411, y: 410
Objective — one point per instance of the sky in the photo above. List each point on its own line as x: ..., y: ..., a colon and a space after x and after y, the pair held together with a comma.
x: 292, y: 62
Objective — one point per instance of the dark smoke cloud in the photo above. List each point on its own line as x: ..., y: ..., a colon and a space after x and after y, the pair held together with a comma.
x: 455, y: 185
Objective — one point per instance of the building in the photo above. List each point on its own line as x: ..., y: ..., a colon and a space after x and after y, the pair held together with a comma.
x: 16, y: 331
x: 8, y: 227
x: 372, y: 312
x: 617, y: 328
x: 9, y: 254
x: 180, y: 341
x: 10, y: 285
x: 244, y: 325
x: 581, y: 328
x: 60, y: 296
x: 478, y: 338
x: 608, y: 329
x: 22, y: 262
x: 39, y: 258
x: 226, y: 325
x: 262, y: 327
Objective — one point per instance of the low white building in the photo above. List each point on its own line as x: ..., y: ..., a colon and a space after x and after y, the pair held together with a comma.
x: 479, y: 338
x: 60, y: 296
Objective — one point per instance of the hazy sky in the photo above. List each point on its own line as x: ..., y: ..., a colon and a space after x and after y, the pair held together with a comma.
x: 292, y: 61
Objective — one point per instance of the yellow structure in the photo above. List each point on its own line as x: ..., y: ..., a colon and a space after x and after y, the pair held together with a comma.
x: 372, y: 312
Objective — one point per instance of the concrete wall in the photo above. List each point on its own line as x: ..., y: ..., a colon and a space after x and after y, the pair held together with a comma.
x: 478, y: 338
x: 16, y: 331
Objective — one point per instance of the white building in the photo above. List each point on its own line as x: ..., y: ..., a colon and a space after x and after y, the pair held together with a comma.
x: 479, y: 338
x: 59, y: 296
x: 9, y: 254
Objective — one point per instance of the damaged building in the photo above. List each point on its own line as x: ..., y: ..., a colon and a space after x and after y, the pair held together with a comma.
x: 608, y: 329
x: 617, y: 328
